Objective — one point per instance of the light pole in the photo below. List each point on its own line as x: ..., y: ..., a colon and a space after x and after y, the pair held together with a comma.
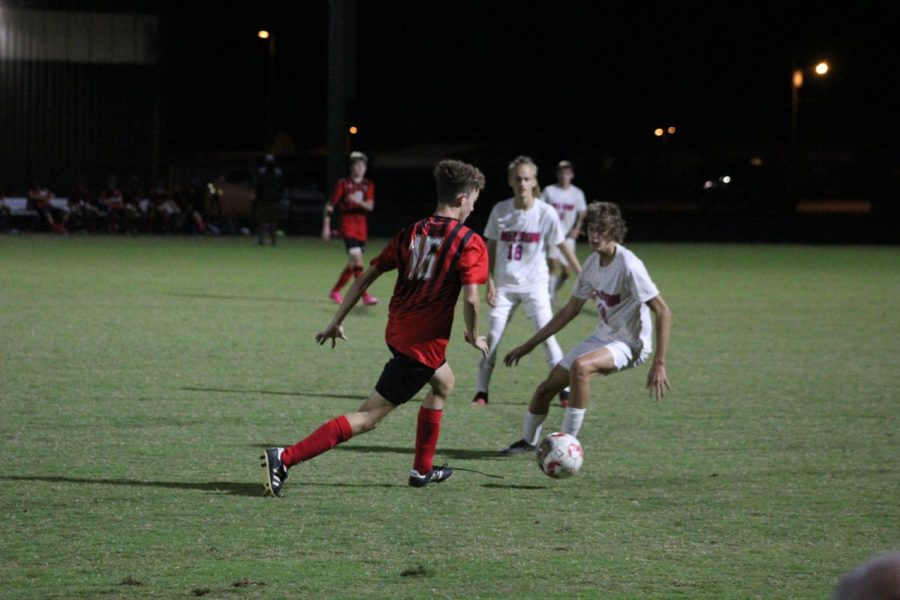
x: 270, y: 92
x: 821, y: 68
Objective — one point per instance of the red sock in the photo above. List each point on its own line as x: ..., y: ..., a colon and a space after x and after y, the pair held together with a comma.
x: 428, y: 428
x: 357, y: 271
x: 343, y: 279
x: 321, y: 440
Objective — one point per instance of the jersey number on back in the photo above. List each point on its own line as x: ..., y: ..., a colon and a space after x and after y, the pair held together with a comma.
x: 514, y: 252
x: 424, y: 250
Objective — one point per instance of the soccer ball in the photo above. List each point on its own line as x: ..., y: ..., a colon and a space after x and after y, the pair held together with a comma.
x: 560, y: 455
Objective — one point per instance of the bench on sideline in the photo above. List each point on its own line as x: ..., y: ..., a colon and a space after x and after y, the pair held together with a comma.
x: 18, y: 207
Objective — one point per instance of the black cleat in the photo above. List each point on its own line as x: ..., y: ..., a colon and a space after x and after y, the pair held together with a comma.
x: 274, y: 472
x: 520, y: 447
x: 564, y: 398
x: 480, y: 399
x: 436, y: 475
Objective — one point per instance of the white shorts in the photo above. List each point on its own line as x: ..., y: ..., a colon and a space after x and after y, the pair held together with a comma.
x: 554, y: 253
x: 623, y: 355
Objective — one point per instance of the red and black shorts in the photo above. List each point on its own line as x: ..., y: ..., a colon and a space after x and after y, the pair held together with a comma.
x: 402, y: 378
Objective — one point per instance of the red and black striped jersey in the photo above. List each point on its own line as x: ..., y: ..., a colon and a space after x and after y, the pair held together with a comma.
x: 354, y: 218
x: 434, y: 258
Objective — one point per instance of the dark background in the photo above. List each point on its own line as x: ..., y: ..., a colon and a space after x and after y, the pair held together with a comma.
x: 486, y: 81
x: 554, y: 74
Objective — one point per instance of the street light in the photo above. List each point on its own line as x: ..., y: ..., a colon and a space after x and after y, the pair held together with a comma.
x: 270, y: 92
x: 821, y: 68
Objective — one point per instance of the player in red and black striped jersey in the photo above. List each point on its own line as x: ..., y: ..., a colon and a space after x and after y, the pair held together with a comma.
x: 435, y: 259
x: 354, y: 198
x: 439, y: 255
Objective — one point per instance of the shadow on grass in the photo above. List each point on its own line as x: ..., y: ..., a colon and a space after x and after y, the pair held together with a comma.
x: 510, y: 486
x: 230, y: 297
x: 235, y: 489
x: 454, y: 453
x: 359, y: 397
x: 304, y: 483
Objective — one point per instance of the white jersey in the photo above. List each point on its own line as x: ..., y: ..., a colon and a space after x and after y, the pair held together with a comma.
x: 522, y: 238
x: 567, y: 202
x: 621, y: 289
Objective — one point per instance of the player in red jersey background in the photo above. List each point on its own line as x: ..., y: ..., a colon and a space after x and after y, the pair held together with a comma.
x: 435, y: 258
x: 354, y: 198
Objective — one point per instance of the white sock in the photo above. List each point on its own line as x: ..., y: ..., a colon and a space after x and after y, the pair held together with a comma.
x: 532, y: 430
x: 572, y: 421
x: 553, y: 285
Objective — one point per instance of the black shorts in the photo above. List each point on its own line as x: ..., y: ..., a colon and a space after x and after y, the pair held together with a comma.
x: 402, y: 378
x: 354, y: 243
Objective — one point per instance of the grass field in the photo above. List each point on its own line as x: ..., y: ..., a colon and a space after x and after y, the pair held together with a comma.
x: 139, y: 379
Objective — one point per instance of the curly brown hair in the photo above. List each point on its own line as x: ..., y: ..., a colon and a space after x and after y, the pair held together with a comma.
x: 606, y: 217
x: 454, y: 177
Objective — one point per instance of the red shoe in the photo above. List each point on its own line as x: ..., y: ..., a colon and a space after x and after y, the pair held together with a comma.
x: 480, y: 399
x: 369, y: 299
x: 336, y: 297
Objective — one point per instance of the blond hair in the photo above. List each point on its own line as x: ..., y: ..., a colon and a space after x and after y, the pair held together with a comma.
x: 525, y: 160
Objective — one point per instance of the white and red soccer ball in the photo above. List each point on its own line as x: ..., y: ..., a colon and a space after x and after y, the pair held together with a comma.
x: 559, y: 455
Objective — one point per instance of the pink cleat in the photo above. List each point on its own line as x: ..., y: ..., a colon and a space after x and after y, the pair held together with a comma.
x: 480, y: 399
x: 336, y: 297
x: 369, y: 299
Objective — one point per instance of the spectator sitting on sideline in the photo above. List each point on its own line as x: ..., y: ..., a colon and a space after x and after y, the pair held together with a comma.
x: 39, y: 198
x: 5, y: 214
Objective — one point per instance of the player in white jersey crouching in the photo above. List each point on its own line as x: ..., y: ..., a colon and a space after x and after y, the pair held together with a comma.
x: 518, y: 233
x: 571, y: 207
x: 625, y: 298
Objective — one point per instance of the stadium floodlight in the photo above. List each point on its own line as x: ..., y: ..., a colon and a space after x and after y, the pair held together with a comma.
x: 821, y: 68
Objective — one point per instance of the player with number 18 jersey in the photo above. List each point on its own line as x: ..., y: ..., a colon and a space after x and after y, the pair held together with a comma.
x: 519, y: 232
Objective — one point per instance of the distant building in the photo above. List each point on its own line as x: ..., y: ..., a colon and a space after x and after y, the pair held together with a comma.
x: 79, y: 93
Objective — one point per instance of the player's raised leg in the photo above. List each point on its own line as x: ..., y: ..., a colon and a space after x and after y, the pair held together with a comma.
x: 356, y: 266
x: 600, y: 361
x: 428, y: 429
x: 537, y: 411
x: 277, y: 461
x: 342, y: 280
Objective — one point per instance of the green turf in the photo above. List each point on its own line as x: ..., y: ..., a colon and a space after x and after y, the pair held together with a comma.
x: 139, y: 378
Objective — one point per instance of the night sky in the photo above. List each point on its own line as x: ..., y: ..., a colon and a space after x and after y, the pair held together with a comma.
x: 548, y: 75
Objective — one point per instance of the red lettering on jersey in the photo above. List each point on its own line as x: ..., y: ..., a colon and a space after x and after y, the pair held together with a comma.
x: 520, y: 236
x: 610, y: 299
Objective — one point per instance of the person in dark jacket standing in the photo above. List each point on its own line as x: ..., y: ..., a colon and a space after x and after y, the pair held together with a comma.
x: 267, y: 205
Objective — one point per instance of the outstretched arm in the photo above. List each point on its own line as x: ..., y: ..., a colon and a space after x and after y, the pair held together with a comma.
x: 335, y: 329
x: 657, y: 381
x: 471, y: 304
x: 559, y: 320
